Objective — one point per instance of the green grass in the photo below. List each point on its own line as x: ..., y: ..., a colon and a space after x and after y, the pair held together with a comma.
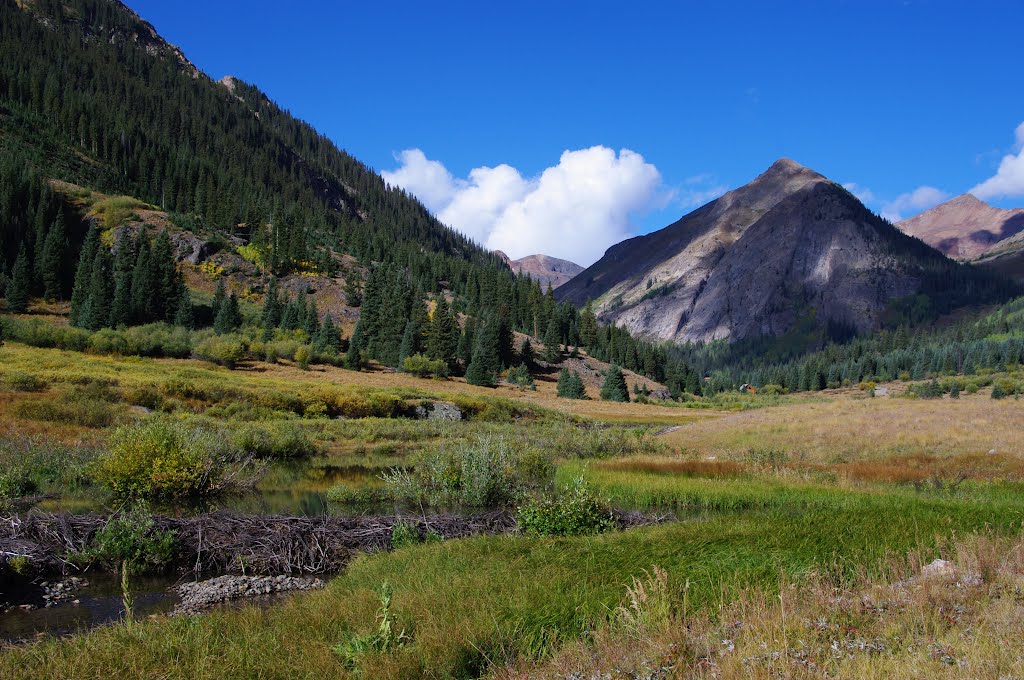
x: 483, y: 600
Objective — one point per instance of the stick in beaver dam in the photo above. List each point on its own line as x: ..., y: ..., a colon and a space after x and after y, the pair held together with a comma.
x: 228, y: 543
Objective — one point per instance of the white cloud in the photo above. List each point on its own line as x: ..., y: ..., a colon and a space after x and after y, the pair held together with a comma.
x: 916, y: 201
x: 863, y: 194
x: 1008, y: 181
x: 574, y: 210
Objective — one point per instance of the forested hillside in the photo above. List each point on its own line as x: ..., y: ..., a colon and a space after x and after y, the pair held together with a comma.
x: 90, y: 94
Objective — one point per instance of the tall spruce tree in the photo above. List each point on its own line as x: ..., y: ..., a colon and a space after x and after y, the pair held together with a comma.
x: 485, y: 365
x: 552, y: 346
x: 21, y: 283
x: 51, y: 267
x: 229, y: 317
x: 83, y: 275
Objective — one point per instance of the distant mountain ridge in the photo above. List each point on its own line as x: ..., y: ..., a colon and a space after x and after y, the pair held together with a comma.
x: 790, y: 245
x: 545, y: 269
x: 964, y: 227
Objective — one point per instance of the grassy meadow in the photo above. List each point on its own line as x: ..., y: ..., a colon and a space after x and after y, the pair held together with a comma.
x: 776, y: 512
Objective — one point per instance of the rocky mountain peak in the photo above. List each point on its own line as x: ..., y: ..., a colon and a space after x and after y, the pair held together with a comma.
x: 964, y: 227
x: 789, y: 245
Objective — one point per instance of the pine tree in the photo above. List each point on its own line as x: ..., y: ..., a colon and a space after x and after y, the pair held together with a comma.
x: 220, y: 296
x: 443, y: 341
x: 21, y: 283
x: 614, y: 387
x: 121, y: 308
x: 526, y: 353
x: 83, y: 275
x: 327, y: 341
x: 52, y: 259
x: 229, y: 317
x: 184, y: 316
x: 486, y: 362
x: 353, y: 289
x: 101, y: 291
x: 552, y: 347
x: 356, y: 346
x: 408, y: 346
x: 570, y: 385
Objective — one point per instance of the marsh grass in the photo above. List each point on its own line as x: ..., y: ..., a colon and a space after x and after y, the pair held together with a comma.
x: 890, y: 622
x: 484, y: 602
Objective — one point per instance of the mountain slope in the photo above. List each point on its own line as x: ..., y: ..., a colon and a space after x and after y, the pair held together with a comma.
x: 543, y: 268
x: 91, y: 94
x: 1006, y: 257
x: 964, y: 227
x: 788, y: 246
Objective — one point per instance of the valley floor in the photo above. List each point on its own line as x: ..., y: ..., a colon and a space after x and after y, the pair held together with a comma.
x: 802, y: 530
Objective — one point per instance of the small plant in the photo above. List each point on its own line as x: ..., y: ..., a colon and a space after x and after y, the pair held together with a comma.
x: 648, y: 606
x: 19, y: 381
x: 403, y: 535
x: 577, y: 511
x: 382, y: 640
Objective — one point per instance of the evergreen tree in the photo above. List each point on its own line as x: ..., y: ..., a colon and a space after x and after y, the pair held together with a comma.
x: 327, y: 341
x: 443, y: 340
x: 408, y: 346
x: 485, y: 365
x: 20, y: 284
x: 121, y: 312
x: 101, y: 291
x: 614, y: 387
x: 184, y: 316
x: 552, y: 348
x: 229, y: 317
x: 353, y: 289
x: 220, y: 296
x: 271, y: 316
x: 52, y: 259
x: 83, y: 275
x: 526, y: 353
x: 570, y: 385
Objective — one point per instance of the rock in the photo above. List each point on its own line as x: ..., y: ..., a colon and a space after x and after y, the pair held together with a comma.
x: 439, y: 410
x: 939, y: 568
x: 190, y: 248
x: 197, y: 596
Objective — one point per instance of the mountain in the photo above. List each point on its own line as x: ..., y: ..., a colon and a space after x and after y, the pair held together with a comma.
x: 543, y: 268
x: 964, y: 227
x: 1006, y: 257
x: 788, y: 247
x: 91, y: 94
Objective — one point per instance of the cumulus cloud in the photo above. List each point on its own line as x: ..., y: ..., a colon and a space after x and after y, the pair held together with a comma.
x: 1008, y: 182
x: 916, y: 201
x: 574, y: 210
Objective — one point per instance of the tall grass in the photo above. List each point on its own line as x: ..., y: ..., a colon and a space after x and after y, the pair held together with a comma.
x: 473, y: 603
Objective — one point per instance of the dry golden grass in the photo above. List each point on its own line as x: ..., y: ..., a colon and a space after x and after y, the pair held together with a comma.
x: 850, y: 429
x: 964, y: 619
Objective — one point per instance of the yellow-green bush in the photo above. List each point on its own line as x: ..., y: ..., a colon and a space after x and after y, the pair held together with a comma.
x: 160, y: 457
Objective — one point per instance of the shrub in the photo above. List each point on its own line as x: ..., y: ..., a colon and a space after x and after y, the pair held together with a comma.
x: 227, y: 350
x: 302, y: 357
x: 130, y: 541
x: 160, y: 457
x: 520, y: 376
x: 577, y: 511
x: 999, y: 392
x: 19, y: 381
x: 422, y: 366
x: 74, y: 409
x: 283, y: 440
x: 483, y: 472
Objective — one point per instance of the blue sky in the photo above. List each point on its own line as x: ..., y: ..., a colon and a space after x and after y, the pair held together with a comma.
x: 894, y: 97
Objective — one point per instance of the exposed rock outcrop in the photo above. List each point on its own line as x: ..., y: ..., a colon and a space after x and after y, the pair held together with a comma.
x: 786, y: 246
